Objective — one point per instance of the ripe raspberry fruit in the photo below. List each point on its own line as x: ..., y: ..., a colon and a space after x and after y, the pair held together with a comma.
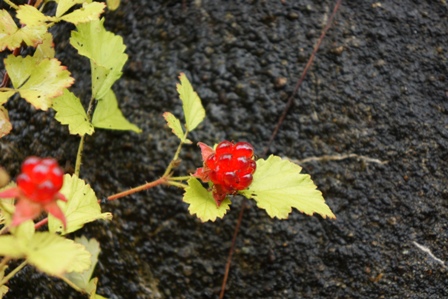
x: 37, y: 190
x: 40, y: 179
x: 230, y: 167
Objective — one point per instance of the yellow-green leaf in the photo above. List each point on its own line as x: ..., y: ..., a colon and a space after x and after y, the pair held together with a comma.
x: 106, y: 52
x: 191, y: 103
x: 38, y: 81
x: 5, y: 94
x: 31, y: 16
x: 107, y: 115
x: 113, y: 4
x: 11, y: 36
x: 83, y: 279
x: 202, y: 203
x: 25, y: 231
x: 65, y: 5
x: 69, y: 111
x: 7, y: 207
x: 3, y: 290
x: 48, y: 252
x: 5, y: 124
x: 174, y: 124
x: 88, y: 12
x: 82, y: 206
x: 11, y: 247
x: 278, y: 186
x: 46, y: 48
x: 56, y: 255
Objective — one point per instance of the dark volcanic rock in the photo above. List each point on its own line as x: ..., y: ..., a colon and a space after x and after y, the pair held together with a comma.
x: 377, y: 89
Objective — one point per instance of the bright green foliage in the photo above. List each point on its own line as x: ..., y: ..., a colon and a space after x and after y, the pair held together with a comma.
x: 191, y: 103
x: 3, y: 289
x: 9, y: 246
x: 82, y: 280
x: 25, y: 231
x: 7, y: 207
x: 106, y: 52
x: 11, y: 36
x: 174, y: 124
x: 65, y: 5
x: 107, y: 115
x: 46, y: 48
x: 278, y: 186
x: 5, y: 124
x: 82, y: 206
x: 88, y: 12
x: 113, y: 4
x: 31, y: 16
x: 38, y: 81
x: 69, y: 111
x: 48, y: 252
x: 202, y: 203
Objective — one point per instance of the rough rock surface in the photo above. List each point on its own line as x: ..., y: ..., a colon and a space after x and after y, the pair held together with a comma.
x: 377, y: 89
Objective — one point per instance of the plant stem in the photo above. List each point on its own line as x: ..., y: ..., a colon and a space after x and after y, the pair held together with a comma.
x: 79, y: 156
x: 176, y: 156
x: 70, y: 283
x: 12, y: 273
x: 290, y: 101
x: 4, y: 261
x: 81, y: 142
x: 180, y: 178
x: 41, y: 223
x: 176, y: 184
x: 162, y: 180
x: 11, y: 4
x: 4, y: 230
x: 232, y: 249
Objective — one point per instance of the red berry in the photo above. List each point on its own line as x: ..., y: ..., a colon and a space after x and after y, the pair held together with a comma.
x: 230, y: 168
x: 40, y: 179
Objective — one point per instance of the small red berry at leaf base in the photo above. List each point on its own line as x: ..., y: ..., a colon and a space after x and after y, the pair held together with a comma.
x: 230, y: 168
x: 40, y: 179
x: 37, y: 189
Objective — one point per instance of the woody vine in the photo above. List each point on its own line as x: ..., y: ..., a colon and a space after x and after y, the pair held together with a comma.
x: 227, y: 169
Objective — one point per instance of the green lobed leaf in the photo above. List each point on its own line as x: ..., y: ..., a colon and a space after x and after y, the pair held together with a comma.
x: 46, y: 48
x: 37, y: 80
x: 11, y: 36
x: 107, y: 115
x: 82, y: 206
x: 106, y: 52
x: 31, y: 16
x: 191, y: 103
x: 3, y: 290
x: 11, y: 247
x: 174, y: 124
x: 5, y: 124
x: 88, y: 12
x: 7, y: 207
x: 56, y: 255
x: 82, y: 279
x: 69, y: 111
x: 278, y: 186
x: 65, y: 5
x: 113, y: 4
x: 202, y: 203
x: 25, y: 231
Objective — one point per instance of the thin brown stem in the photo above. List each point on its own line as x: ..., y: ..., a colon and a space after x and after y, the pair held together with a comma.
x: 41, y: 223
x: 290, y: 101
x: 232, y: 249
x: 161, y: 181
x: 274, y: 134
x: 12, y: 273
